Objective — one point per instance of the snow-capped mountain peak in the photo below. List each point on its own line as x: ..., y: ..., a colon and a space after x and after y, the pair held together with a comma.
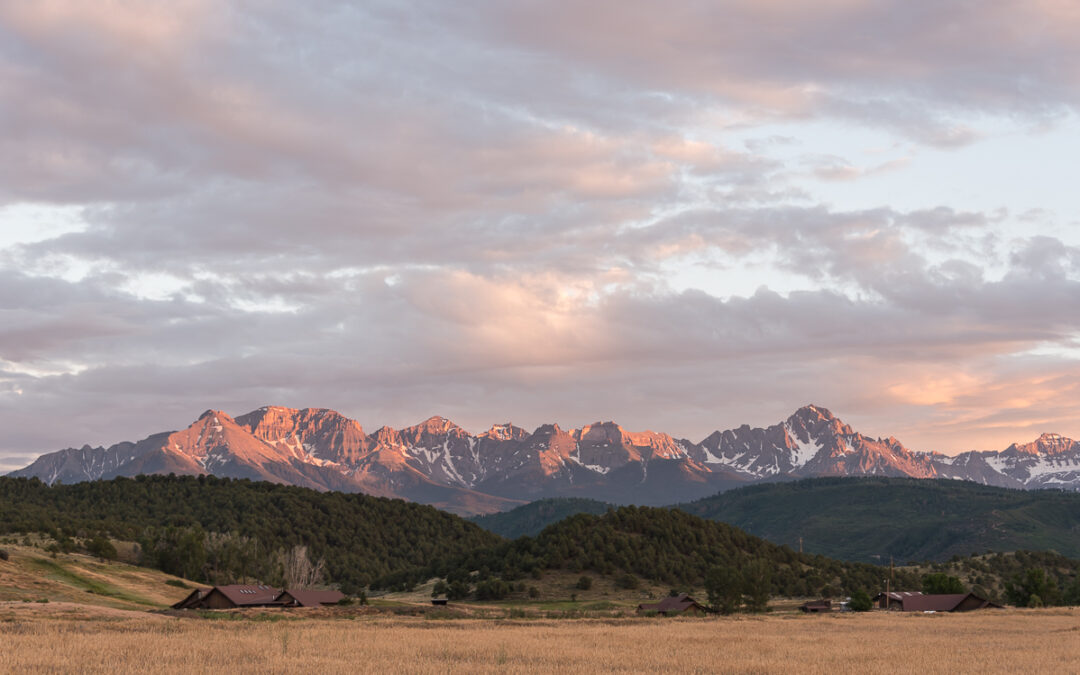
x: 437, y: 461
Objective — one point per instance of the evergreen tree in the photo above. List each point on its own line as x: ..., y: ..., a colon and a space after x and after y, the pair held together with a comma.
x: 723, y: 584
x: 757, y: 584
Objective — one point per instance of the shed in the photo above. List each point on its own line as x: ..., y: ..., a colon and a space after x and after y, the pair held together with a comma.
x: 681, y: 604
x: 816, y: 606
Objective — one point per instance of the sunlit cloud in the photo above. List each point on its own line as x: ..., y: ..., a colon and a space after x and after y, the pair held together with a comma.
x: 682, y: 220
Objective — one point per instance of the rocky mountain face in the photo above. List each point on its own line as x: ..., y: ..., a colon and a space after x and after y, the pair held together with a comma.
x: 437, y: 462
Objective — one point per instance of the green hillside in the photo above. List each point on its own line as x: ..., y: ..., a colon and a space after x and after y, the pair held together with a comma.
x: 220, y: 530
x: 529, y: 519
x: 873, y: 519
x: 662, y: 546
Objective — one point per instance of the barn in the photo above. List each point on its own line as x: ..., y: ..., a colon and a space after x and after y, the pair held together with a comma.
x: 670, y: 606
x: 910, y: 601
x: 816, y: 606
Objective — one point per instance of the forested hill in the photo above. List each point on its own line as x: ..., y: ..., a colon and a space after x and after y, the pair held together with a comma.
x: 218, y: 529
x: 529, y: 519
x: 659, y: 545
x: 871, y: 519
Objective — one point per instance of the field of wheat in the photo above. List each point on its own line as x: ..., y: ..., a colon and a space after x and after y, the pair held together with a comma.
x: 38, y: 639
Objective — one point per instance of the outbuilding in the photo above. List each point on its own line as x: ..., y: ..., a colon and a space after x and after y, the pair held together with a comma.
x: 681, y: 604
x: 816, y: 606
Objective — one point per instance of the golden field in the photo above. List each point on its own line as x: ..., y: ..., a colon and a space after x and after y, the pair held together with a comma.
x: 67, y: 637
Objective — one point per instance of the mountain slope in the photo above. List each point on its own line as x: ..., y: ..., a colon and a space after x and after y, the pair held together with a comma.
x: 873, y: 519
x: 663, y: 546
x: 360, y: 537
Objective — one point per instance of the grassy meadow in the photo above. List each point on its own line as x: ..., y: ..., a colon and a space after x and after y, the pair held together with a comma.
x: 71, y: 612
x: 50, y: 638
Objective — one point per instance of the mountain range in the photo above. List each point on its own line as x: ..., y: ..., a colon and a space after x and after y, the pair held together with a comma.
x: 437, y: 462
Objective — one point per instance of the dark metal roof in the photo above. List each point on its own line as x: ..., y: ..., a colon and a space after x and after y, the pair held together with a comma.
x: 947, y: 602
x: 311, y: 598
x: 243, y: 595
x: 246, y: 595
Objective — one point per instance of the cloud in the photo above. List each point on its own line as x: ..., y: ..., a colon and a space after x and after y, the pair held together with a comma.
x: 489, y: 211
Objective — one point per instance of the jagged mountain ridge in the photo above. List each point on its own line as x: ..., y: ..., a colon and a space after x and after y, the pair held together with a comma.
x: 437, y: 462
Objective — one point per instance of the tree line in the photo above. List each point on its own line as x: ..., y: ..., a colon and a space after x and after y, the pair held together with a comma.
x: 216, y: 530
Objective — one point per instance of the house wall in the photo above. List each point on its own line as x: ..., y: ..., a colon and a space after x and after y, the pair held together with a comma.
x: 217, y: 601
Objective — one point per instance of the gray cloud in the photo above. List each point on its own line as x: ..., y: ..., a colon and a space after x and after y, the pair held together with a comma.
x: 479, y: 210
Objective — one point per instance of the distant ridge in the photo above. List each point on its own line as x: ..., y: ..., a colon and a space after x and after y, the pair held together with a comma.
x: 437, y: 462
x: 873, y: 519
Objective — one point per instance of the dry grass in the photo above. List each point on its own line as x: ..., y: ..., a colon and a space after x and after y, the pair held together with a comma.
x: 31, y: 574
x: 998, y: 641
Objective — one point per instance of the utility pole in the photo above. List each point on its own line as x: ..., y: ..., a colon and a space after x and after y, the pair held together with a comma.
x: 800, y: 544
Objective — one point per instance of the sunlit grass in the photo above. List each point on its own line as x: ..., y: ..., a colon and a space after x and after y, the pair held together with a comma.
x: 995, y: 641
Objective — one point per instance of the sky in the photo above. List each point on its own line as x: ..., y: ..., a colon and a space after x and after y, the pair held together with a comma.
x: 682, y: 216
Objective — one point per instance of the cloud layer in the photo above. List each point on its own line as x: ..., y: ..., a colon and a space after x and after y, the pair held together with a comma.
x: 536, y: 211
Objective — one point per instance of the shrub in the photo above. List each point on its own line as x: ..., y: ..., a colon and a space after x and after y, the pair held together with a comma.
x: 458, y: 590
x: 627, y: 581
x: 492, y: 589
x: 440, y: 588
x: 3, y: 554
x: 177, y: 583
x: 584, y: 583
x: 101, y: 547
x: 934, y: 584
x: 860, y: 601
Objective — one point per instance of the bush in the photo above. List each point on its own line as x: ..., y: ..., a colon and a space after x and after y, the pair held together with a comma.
x: 177, y: 583
x: 939, y: 583
x: 584, y: 583
x: 458, y: 590
x: 860, y: 601
x: 627, y: 581
x: 440, y: 588
x: 492, y: 589
x: 101, y: 547
x: 3, y: 554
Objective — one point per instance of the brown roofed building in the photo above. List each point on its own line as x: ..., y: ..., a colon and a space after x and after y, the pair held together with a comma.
x: 230, y: 597
x: 192, y: 600
x: 244, y: 595
x: 310, y: 598
x: 919, y: 602
x: 816, y: 606
x: 682, y: 604
x: 894, y: 600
